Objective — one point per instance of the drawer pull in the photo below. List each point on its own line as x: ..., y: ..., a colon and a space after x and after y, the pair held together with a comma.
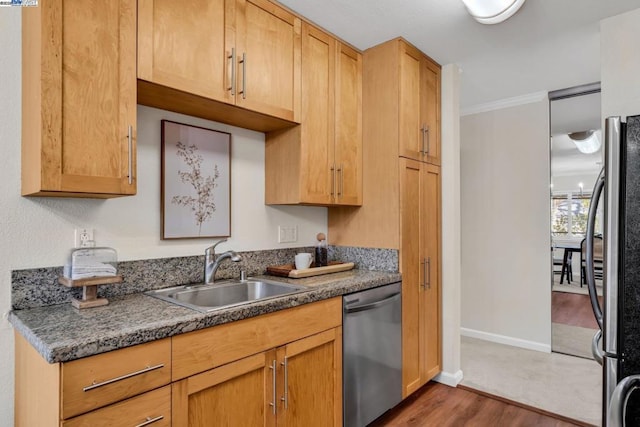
x: 123, y: 377
x: 151, y: 421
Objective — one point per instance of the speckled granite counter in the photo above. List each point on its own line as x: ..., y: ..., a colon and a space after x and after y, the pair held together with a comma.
x: 61, y: 333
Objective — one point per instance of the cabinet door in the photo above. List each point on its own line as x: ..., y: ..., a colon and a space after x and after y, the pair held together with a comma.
x: 87, y: 100
x: 430, y: 91
x: 348, y: 125
x: 187, y: 45
x: 240, y: 393
x: 411, y: 266
x: 317, y: 149
x: 268, y: 59
x: 430, y: 210
x: 411, y: 136
x: 310, y: 387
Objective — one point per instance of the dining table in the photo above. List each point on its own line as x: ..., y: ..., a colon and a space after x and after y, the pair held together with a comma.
x: 569, y: 247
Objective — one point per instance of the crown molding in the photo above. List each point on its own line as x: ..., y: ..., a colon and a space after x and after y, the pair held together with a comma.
x: 504, y: 103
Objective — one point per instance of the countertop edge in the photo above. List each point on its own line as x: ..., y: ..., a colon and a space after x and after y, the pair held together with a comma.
x: 177, y: 320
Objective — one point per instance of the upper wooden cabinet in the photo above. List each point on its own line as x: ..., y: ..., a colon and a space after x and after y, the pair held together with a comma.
x: 79, y: 99
x: 320, y: 161
x: 240, y: 52
x: 419, y: 105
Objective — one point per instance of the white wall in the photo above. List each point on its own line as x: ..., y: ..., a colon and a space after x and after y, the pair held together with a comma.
x: 620, y: 64
x: 505, y: 225
x: 563, y: 184
x: 451, y: 373
x: 38, y: 232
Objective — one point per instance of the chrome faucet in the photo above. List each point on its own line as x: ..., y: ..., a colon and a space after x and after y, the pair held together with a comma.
x: 212, y: 261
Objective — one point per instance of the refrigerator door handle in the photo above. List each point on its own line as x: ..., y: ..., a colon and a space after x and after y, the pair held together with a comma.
x: 595, y: 347
x: 619, y: 399
x: 591, y: 222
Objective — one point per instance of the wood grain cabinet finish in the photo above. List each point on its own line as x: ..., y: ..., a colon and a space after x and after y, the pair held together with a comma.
x: 419, y: 105
x: 283, y: 368
x: 298, y: 384
x: 79, y: 99
x: 320, y: 161
x: 239, y: 52
x: 152, y: 408
x: 420, y: 265
x: 402, y: 189
x: 113, y: 388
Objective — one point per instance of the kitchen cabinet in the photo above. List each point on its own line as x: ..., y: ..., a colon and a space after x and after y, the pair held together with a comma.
x: 130, y: 384
x: 229, y: 374
x: 244, y: 53
x: 79, y: 99
x: 235, y: 372
x: 420, y: 266
x: 419, y: 105
x: 292, y: 385
x: 402, y: 196
x: 320, y: 161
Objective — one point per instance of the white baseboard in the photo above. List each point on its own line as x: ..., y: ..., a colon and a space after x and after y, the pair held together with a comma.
x: 447, y: 378
x: 503, y: 339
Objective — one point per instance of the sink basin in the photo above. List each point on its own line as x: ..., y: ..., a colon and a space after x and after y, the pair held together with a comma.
x: 223, y: 294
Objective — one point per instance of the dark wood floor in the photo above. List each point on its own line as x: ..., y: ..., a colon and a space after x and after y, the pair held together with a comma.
x: 442, y: 406
x: 572, y: 309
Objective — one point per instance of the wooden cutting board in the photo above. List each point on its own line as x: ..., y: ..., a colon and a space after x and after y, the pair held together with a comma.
x: 288, y: 270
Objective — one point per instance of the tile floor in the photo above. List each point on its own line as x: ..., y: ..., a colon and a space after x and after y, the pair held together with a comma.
x: 565, y: 385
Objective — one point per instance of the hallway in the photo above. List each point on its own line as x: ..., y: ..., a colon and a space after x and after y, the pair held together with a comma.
x: 557, y: 383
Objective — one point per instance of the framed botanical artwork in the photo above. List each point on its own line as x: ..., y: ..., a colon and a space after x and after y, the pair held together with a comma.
x: 196, y: 182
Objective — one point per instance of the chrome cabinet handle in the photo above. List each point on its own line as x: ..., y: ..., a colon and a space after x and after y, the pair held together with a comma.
x: 426, y: 130
x: 422, y: 132
x: 243, y: 61
x: 333, y: 180
x: 273, y: 383
x: 340, y: 180
x: 150, y: 421
x: 428, y: 276
x: 123, y: 377
x: 285, y: 396
x: 232, y: 57
x: 423, y: 285
x: 130, y: 140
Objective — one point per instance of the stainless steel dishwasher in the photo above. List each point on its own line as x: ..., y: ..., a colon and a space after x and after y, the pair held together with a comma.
x: 372, y: 346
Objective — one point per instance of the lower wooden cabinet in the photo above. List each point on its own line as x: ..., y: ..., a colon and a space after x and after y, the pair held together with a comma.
x: 152, y: 408
x: 277, y: 369
x: 297, y: 384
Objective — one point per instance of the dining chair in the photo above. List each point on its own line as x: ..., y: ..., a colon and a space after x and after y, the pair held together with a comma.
x: 598, y: 259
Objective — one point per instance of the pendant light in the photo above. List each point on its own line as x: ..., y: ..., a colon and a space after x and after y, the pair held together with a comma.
x: 586, y: 142
x: 492, y: 11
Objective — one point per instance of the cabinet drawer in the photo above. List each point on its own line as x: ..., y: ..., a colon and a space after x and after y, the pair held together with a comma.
x: 99, y: 380
x: 149, y: 409
x: 206, y: 349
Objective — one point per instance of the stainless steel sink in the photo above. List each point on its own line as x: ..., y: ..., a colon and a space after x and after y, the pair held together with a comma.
x: 224, y: 294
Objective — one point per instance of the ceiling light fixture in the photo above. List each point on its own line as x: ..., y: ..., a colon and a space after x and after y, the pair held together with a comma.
x: 586, y: 142
x: 492, y: 11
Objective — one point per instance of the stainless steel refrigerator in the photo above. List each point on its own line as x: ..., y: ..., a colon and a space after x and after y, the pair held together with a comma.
x: 616, y: 346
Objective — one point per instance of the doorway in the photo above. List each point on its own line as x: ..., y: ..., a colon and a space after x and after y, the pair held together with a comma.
x: 576, y: 151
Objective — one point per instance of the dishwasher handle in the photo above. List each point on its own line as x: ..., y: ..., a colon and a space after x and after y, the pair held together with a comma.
x: 371, y: 305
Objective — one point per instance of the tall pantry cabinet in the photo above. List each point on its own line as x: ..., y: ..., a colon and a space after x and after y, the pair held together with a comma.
x: 401, y: 193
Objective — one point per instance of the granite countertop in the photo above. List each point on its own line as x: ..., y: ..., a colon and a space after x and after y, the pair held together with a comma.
x: 61, y: 333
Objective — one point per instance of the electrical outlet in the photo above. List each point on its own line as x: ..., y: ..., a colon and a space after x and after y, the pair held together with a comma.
x: 84, y: 238
x: 287, y: 234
